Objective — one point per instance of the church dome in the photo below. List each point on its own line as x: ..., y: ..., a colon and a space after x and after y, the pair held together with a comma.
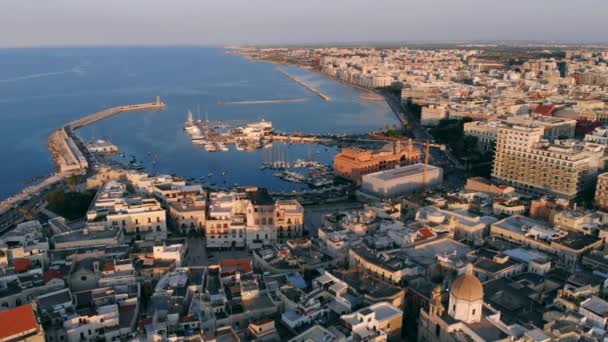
x: 467, y: 287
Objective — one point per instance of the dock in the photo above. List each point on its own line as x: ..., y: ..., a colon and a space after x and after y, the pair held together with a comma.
x: 305, y: 85
x: 261, y: 101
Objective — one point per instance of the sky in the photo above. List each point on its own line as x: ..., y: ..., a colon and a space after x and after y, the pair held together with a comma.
x: 27, y: 23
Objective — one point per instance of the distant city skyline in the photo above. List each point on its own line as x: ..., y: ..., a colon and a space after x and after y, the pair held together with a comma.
x: 242, y: 22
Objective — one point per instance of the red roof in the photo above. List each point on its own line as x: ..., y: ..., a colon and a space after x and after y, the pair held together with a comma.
x: 22, y: 265
x: 545, y: 110
x: 17, y: 321
x: 240, y: 265
x: 427, y: 233
x: 51, y: 274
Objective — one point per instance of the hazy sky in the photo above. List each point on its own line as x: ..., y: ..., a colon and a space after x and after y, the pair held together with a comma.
x: 212, y: 22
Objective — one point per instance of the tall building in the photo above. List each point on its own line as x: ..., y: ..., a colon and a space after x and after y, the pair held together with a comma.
x: 601, y: 191
x: 526, y: 161
x: 353, y: 163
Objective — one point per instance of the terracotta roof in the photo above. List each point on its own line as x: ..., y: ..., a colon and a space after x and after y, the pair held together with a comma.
x: 51, y: 274
x: 231, y: 265
x: 17, y: 321
x: 22, y: 265
x: 427, y: 233
x: 107, y: 267
x: 545, y: 110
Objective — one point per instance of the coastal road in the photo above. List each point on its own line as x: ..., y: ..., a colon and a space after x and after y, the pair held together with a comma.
x: 453, y: 170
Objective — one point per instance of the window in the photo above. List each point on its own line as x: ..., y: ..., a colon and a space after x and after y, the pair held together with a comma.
x: 473, y: 313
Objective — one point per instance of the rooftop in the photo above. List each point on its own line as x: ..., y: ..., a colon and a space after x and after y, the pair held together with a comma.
x: 17, y: 322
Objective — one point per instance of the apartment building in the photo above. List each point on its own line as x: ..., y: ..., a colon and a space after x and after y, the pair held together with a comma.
x: 134, y: 214
x: 189, y: 214
x: 601, y: 191
x: 528, y: 162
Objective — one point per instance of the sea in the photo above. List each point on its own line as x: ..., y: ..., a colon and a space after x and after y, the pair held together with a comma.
x: 43, y: 88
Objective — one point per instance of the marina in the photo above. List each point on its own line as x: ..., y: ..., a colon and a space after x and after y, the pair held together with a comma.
x: 215, y: 136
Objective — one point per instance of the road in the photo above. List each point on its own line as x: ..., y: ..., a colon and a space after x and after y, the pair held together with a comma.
x: 454, y: 175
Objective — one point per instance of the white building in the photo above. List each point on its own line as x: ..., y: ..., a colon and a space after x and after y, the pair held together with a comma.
x: 401, y: 180
x: 595, y: 311
x: 377, y: 322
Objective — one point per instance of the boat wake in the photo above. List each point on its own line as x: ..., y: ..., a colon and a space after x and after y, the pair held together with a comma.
x: 76, y: 70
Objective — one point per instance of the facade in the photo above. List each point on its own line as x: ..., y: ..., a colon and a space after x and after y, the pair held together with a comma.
x: 601, y: 191
x: 402, y: 180
x: 484, y: 131
x: 352, y: 163
x: 134, y: 214
x: 289, y: 218
x: 251, y: 218
x: 533, y: 165
x: 189, y: 214
x: 432, y: 114
x: 480, y: 184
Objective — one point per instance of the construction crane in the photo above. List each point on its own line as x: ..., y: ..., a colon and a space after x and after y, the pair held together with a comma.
x: 426, y: 144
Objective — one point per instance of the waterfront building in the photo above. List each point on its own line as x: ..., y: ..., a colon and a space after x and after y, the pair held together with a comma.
x: 353, y: 163
x: 526, y: 161
x: 402, y: 180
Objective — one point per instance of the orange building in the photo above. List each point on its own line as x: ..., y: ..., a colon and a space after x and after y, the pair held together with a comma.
x: 353, y: 163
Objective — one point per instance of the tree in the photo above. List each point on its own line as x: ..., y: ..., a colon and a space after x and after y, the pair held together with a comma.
x: 73, y: 182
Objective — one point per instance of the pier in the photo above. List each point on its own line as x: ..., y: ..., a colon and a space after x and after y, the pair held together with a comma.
x: 305, y: 85
x: 68, y: 151
x: 89, y: 119
x: 260, y: 101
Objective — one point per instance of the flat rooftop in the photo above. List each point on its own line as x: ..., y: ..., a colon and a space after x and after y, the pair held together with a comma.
x: 402, y: 172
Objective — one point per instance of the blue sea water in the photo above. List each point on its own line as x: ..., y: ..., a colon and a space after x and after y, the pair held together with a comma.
x: 41, y: 89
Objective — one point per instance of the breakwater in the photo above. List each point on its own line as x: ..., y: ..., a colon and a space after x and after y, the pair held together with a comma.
x: 245, y: 102
x: 305, y: 85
